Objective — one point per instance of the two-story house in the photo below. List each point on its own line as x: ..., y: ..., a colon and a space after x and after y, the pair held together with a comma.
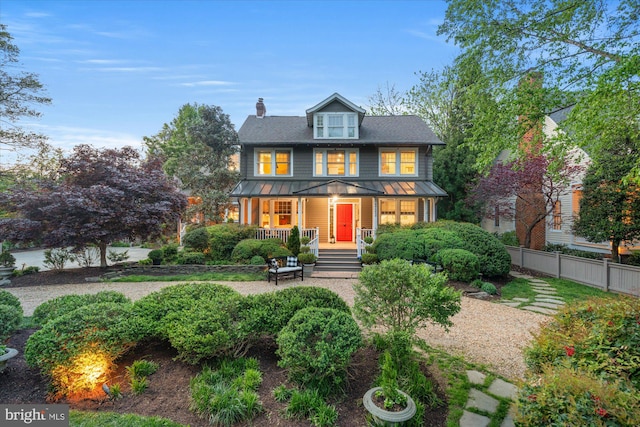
x: 335, y: 172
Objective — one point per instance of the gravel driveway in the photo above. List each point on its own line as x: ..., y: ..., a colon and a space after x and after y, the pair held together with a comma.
x: 483, y: 332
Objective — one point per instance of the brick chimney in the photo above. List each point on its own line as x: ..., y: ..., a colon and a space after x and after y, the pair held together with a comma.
x: 261, y: 110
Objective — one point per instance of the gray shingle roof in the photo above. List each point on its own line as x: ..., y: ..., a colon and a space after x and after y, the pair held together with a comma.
x: 283, y: 130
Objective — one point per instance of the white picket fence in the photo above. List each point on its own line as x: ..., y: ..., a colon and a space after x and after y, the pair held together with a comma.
x: 605, y: 275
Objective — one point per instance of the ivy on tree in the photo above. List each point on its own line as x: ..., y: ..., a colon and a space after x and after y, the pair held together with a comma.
x: 102, y: 196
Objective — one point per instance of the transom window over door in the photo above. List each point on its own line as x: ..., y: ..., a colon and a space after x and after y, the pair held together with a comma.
x: 329, y: 162
x: 272, y: 162
x: 399, y: 161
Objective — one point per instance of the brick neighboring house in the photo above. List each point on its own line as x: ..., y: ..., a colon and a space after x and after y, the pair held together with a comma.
x: 558, y: 226
x: 335, y: 172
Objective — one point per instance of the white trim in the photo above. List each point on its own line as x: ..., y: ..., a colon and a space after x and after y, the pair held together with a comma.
x: 398, y: 163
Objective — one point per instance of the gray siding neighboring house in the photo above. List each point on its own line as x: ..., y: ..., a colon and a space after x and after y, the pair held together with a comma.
x: 335, y: 169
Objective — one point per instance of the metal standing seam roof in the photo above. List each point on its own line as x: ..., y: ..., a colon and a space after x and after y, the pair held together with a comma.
x: 279, y: 188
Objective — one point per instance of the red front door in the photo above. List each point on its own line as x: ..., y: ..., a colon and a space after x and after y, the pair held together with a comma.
x: 344, y: 223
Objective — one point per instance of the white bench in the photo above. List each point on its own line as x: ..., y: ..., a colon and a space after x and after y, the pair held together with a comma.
x: 282, y: 266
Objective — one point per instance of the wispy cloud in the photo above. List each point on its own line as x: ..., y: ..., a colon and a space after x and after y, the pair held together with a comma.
x: 66, y: 137
x: 124, y: 69
x: 207, y: 83
x: 101, y: 61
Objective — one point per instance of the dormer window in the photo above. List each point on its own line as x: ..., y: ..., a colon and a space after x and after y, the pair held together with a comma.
x: 335, y: 125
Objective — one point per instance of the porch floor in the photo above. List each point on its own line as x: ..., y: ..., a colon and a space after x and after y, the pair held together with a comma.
x: 337, y: 245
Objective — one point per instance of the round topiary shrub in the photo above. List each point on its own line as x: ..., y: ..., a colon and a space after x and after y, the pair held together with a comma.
x: 368, y: 258
x: 224, y: 237
x: 64, y: 304
x: 461, y: 265
x: 10, y: 319
x: 196, y: 240
x: 316, y: 347
x: 209, y: 328
x: 152, y: 310
x: 489, y: 288
x: 8, y: 298
x: 269, y: 312
x: 91, y: 336
x: 156, y: 256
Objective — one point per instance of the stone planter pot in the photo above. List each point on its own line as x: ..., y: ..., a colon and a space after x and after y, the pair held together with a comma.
x: 308, y: 269
x: 382, y: 417
x: 5, y: 275
x: 9, y: 353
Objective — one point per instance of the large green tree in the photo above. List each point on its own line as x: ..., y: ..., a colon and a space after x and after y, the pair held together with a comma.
x: 585, y: 51
x: 20, y: 93
x: 610, y: 206
x: 198, y: 149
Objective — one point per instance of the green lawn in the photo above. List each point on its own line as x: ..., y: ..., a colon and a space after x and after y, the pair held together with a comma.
x: 112, y: 419
x: 569, y: 291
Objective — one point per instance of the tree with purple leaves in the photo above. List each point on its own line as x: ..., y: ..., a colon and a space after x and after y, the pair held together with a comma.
x: 102, y: 196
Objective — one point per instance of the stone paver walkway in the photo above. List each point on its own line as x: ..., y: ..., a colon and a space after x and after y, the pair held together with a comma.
x: 484, y: 400
x: 546, y: 300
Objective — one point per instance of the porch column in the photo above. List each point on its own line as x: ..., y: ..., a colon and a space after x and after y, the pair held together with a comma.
x: 425, y: 209
x: 434, y: 212
x: 375, y: 215
x: 299, y: 212
x: 249, y: 211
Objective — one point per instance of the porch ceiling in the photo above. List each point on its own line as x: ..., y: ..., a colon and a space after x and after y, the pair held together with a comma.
x: 275, y: 188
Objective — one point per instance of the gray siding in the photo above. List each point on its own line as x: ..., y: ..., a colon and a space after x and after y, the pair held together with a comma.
x: 317, y: 215
x: 303, y: 164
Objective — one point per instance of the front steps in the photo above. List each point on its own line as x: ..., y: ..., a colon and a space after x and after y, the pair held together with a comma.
x: 333, y: 261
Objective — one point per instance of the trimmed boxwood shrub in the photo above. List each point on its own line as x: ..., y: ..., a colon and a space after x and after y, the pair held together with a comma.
x: 209, y: 328
x: 61, y: 305
x: 10, y: 319
x: 96, y: 332
x: 170, y: 252
x: 152, y: 310
x: 248, y: 248
x: 489, y: 288
x: 187, y: 257
x: 196, y: 240
x: 257, y: 260
x: 493, y: 256
x: 316, y: 347
x: 156, y: 256
x: 402, y: 244
x: 461, y: 265
x: 435, y: 239
x: 224, y: 237
x: 8, y: 298
x: 268, y: 313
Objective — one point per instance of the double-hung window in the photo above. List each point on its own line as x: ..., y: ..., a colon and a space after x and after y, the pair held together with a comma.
x: 330, y: 162
x: 335, y: 126
x: 398, y: 162
x: 273, y: 162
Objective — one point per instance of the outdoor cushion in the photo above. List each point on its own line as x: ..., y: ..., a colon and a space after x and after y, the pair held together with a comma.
x: 292, y: 261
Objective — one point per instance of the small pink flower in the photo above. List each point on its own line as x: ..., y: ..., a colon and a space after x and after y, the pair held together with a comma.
x: 602, y: 412
x: 569, y: 350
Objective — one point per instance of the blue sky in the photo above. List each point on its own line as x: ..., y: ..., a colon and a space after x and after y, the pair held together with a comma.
x: 119, y: 70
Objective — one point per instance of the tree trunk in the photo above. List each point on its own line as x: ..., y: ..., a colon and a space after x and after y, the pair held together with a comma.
x: 615, y: 251
x: 103, y: 254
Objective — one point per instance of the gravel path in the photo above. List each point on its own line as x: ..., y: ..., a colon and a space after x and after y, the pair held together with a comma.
x: 483, y: 332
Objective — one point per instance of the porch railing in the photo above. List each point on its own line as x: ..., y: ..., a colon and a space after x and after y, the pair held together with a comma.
x: 361, y: 234
x: 284, y: 233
